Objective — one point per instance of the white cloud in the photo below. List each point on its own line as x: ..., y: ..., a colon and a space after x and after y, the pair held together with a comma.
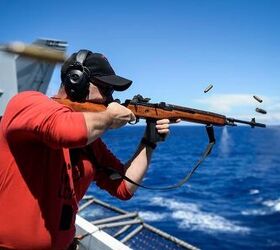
x: 226, y: 102
x: 243, y: 106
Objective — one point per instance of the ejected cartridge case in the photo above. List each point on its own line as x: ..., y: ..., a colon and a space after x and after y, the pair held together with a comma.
x: 262, y: 111
x: 257, y: 98
x: 208, y: 88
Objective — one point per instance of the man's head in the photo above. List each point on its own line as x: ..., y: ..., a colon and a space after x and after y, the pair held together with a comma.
x: 85, y: 68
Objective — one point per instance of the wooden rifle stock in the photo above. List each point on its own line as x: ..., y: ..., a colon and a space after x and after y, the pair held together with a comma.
x: 153, y: 111
x: 81, y: 106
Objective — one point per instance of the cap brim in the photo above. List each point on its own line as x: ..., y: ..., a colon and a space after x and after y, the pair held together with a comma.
x: 117, y: 82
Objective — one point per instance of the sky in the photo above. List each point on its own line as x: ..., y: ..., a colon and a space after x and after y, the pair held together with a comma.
x: 172, y: 50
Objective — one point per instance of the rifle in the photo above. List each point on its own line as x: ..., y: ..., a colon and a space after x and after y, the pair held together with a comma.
x: 143, y: 109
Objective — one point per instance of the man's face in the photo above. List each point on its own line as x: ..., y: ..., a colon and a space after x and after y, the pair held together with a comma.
x: 99, y: 94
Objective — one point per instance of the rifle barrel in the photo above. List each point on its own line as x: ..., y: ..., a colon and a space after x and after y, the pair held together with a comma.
x: 252, y: 123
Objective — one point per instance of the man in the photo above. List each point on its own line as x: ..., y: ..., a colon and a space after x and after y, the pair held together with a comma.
x: 50, y: 155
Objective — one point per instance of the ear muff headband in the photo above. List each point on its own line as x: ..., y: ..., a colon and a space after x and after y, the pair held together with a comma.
x: 76, y: 81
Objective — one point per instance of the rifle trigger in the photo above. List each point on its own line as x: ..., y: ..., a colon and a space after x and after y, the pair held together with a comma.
x: 134, y: 122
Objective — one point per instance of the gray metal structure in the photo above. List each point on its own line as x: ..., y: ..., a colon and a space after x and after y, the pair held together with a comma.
x: 19, y: 73
x: 127, y: 227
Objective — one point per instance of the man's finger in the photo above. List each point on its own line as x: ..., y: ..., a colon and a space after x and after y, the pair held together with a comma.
x: 163, y: 121
x: 162, y: 126
x: 132, y: 117
x: 164, y: 131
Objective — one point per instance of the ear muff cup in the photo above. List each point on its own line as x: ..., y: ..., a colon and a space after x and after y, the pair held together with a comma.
x: 77, y: 80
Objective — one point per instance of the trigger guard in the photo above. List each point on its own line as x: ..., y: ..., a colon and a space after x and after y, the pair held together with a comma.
x: 134, y: 122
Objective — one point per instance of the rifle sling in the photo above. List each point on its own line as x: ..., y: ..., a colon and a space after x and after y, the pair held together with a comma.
x: 207, y: 151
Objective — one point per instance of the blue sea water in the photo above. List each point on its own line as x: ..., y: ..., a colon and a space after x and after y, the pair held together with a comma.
x: 231, y: 202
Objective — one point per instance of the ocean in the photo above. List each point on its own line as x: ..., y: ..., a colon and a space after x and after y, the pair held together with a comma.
x: 231, y: 202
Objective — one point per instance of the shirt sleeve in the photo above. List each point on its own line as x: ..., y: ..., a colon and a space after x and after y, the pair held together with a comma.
x: 31, y: 114
x: 105, y: 158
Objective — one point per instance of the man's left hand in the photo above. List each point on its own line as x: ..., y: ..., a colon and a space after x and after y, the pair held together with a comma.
x: 162, y: 126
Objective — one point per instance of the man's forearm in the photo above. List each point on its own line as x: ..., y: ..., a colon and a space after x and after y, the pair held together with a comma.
x: 97, y: 124
x: 137, y: 167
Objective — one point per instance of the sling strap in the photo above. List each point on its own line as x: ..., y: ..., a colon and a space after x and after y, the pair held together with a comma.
x: 207, y: 151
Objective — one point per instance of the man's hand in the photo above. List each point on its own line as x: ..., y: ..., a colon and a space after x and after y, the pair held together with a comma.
x: 115, y: 116
x: 156, y: 131
x: 119, y: 115
x: 162, y: 126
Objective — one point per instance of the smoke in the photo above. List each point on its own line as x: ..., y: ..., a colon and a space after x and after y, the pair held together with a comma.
x: 225, y: 143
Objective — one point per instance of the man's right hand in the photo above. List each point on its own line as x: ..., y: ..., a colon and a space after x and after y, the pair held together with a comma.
x: 115, y: 116
x: 119, y: 115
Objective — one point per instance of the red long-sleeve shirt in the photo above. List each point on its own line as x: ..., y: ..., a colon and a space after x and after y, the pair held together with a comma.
x: 39, y: 189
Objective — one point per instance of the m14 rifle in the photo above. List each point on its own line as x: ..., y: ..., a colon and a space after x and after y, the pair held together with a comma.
x: 143, y: 109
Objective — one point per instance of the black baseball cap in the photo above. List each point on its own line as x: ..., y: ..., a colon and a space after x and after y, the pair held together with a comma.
x: 99, y: 69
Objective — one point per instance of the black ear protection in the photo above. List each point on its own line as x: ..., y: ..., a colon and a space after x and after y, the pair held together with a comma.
x: 77, y: 78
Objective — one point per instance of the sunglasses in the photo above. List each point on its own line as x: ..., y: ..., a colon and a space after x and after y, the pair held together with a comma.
x: 106, y: 90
